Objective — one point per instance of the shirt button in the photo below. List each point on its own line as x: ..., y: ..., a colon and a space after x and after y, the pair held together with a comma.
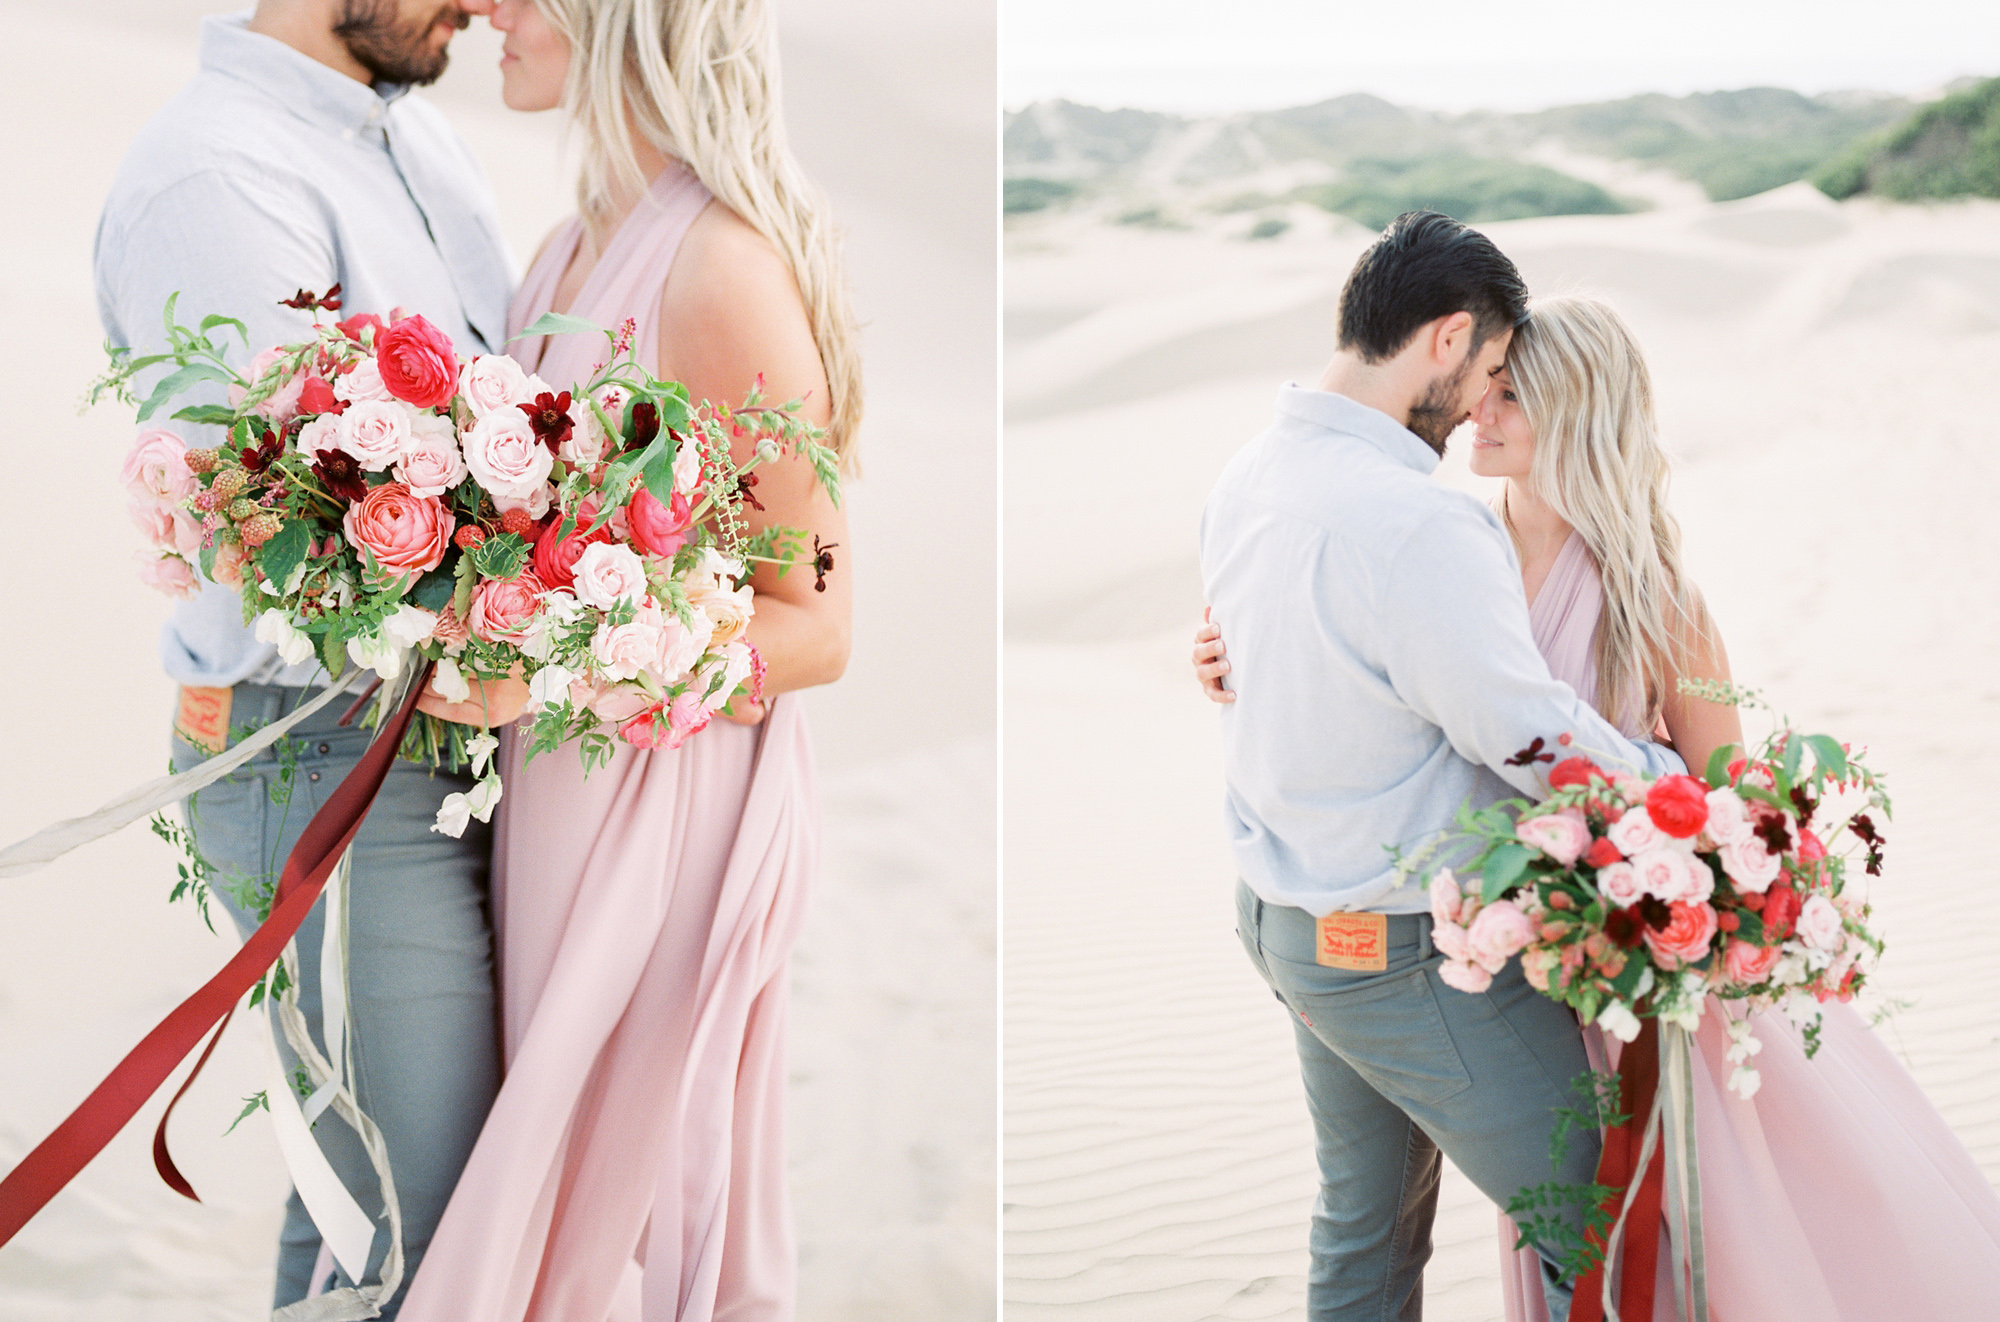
x: 325, y: 749
x: 312, y: 775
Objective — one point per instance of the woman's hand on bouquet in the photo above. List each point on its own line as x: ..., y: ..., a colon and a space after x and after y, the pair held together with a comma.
x: 743, y: 710
x: 492, y: 704
x: 1211, y: 661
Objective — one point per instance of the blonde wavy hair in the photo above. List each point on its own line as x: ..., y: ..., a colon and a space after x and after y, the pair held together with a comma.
x: 698, y: 79
x: 1599, y: 464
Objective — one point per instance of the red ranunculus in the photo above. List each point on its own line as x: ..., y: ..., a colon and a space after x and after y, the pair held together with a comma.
x: 1678, y: 805
x: 417, y: 363
x: 1602, y: 854
x: 658, y: 529
x: 555, y: 558
x: 1781, y: 911
x: 1573, y: 771
x: 317, y: 397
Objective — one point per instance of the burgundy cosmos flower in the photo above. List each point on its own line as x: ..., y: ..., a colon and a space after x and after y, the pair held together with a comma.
x: 307, y: 301
x: 340, y: 474
x: 822, y: 562
x: 549, y: 416
x: 257, y: 458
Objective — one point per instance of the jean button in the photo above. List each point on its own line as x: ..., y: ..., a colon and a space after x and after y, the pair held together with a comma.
x: 312, y: 775
x: 324, y: 749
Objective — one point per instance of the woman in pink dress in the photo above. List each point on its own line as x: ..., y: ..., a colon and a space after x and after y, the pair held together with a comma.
x: 1837, y: 1193
x: 634, y: 1165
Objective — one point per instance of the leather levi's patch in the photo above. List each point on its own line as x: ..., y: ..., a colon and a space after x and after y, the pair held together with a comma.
x: 1357, y: 942
x: 203, y: 718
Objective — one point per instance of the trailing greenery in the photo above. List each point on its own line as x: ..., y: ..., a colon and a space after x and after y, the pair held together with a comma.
x: 1950, y: 148
x: 1468, y: 188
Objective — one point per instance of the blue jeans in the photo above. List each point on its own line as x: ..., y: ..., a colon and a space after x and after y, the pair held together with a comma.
x: 1397, y: 1068
x: 425, y: 1039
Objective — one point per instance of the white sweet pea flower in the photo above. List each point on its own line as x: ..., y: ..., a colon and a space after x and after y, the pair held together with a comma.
x: 549, y: 686
x: 448, y: 681
x: 411, y: 625
x: 452, y: 816
x: 485, y: 796
x: 1742, y: 1045
x: 375, y: 652
x: 294, y: 645
x: 481, y: 747
x: 1617, y: 1019
x: 1744, y: 1082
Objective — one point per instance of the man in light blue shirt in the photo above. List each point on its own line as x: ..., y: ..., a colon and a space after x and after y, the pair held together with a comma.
x: 295, y: 160
x: 1383, y: 674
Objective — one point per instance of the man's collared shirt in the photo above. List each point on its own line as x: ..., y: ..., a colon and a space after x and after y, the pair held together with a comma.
x: 1380, y: 654
x: 269, y: 173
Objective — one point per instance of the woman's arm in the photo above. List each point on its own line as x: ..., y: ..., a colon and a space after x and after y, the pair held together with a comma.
x: 731, y: 312
x: 1697, y: 726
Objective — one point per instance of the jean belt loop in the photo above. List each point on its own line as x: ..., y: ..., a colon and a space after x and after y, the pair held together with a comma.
x: 1424, y: 947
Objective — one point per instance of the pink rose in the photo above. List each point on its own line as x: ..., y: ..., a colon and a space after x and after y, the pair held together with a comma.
x: 404, y: 532
x: 1686, y: 936
x: 1751, y: 866
x: 227, y: 567
x: 505, y: 455
x: 1728, y: 817
x: 687, y: 716
x: 156, y: 468
x: 503, y: 607
x: 493, y: 381
x: 1670, y: 875
x: 1445, y: 898
x: 1465, y: 977
x: 659, y: 529
x: 362, y: 381
x: 168, y: 573
x: 154, y: 521
x: 1619, y: 883
x: 1449, y: 938
x: 1747, y: 965
x: 625, y: 651
x: 320, y: 436
x: 643, y: 730
x: 417, y: 363
x: 681, y: 647
x: 616, y: 703
x: 607, y: 573
x: 1563, y: 836
x: 375, y: 433
x: 1538, y: 965
x: 1634, y: 833
x: 431, y: 464
x: 1499, y: 932
x: 1819, y: 924
x: 587, y: 442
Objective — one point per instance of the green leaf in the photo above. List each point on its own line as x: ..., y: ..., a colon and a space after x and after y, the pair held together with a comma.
x: 251, y: 1104
x: 286, y: 550
x: 207, y: 415
x: 1628, y: 977
x: 333, y: 652
x: 214, y: 319
x: 500, y: 557
x: 174, y: 383
x: 557, y: 323
x: 1503, y: 868
x: 658, y: 474
x: 1717, y: 773
x: 461, y: 594
x: 1830, y: 756
x: 672, y: 401
x: 167, y: 313
x: 1750, y: 927
x: 434, y: 589
x: 1788, y: 770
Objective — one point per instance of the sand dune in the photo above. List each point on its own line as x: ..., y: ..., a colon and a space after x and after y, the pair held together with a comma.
x: 893, y: 1019
x: 1825, y: 374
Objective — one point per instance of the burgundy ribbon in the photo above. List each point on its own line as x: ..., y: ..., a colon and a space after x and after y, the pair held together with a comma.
x: 110, y: 1107
x: 1638, y: 1082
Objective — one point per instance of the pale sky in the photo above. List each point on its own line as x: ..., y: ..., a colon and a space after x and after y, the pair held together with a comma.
x: 1219, y: 55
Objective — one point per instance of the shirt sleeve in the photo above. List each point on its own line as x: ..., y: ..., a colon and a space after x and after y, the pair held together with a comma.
x: 226, y: 242
x: 1457, y: 647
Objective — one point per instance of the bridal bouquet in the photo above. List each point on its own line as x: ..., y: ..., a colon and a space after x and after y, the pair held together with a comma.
x: 382, y: 501
x: 1626, y: 897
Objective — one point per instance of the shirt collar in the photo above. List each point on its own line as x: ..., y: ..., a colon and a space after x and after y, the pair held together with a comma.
x: 1338, y: 413
x: 304, y: 86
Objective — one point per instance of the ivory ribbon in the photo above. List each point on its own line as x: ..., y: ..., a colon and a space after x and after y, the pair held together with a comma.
x: 51, y: 843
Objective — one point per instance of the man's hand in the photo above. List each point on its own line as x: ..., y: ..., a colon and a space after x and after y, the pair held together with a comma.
x: 492, y: 703
x: 1211, y: 660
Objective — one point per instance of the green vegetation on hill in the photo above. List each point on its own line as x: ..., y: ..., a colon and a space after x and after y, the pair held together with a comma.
x: 1469, y: 188
x: 1030, y: 194
x: 1733, y: 144
x: 1950, y: 148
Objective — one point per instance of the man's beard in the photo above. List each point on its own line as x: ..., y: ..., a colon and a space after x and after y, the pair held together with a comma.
x: 393, y: 53
x: 1435, y: 416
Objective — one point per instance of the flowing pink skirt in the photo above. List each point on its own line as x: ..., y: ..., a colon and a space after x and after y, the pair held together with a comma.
x: 644, y: 917
x: 1836, y: 1194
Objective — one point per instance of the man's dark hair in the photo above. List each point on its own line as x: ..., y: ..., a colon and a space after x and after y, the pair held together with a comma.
x: 1427, y: 266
